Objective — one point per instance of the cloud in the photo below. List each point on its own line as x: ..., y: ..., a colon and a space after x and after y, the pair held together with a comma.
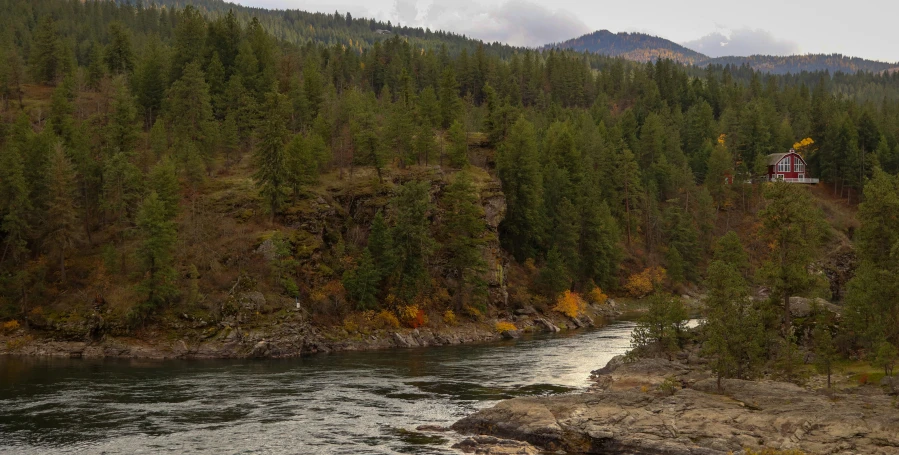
x: 742, y: 42
x: 516, y: 22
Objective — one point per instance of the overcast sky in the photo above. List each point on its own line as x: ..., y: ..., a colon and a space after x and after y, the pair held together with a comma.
x: 862, y: 28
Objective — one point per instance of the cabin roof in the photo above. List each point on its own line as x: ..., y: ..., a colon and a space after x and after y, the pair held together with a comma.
x: 775, y: 158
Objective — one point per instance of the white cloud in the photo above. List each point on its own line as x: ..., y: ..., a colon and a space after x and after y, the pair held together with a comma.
x: 742, y: 42
x: 516, y: 22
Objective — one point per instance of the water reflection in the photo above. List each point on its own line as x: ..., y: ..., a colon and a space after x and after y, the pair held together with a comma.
x: 349, y: 403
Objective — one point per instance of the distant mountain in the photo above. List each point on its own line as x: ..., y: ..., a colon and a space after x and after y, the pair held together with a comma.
x: 638, y: 47
x: 641, y: 47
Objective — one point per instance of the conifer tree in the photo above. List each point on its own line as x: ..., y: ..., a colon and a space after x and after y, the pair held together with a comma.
x: 96, y: 69
x: 380, y: 244
x: 412, y: 240
x: 122, y: 129
x: 15, y: 204
x: 450, y: 104
x: 270, y: 159
x: 163, y: 180
x: 158, y: 237
x: 463, y: 234
x: 150, y: 81
x: 119, y: 56
x: 733, y: 329
x: 45, y: 57
x: 823, y: 343
x: 429, y: 108
x: 188, y: 106
x: 362, y: 282
x: 458, y: 145
x: 792, y: 226
x: 519, y: 170
x: 63, y: 228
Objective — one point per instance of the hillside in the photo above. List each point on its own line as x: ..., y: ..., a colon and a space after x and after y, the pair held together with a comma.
x: 638, y: 47
x: 172, y: 175
x: 642, y: 47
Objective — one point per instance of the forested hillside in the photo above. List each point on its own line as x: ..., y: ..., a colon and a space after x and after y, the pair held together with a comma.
x: 641, y: 47
x: 638, y: 47
x: 158, y: 166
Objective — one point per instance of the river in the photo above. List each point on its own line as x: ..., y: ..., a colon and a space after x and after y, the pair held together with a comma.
x: 346, y: 403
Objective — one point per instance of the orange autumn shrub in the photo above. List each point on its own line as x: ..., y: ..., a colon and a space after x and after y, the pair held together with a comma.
x: 641, y: 284
x: 570, y: 304
x: 412, y: 316
x: 10, y: 326
x: 387, y: 319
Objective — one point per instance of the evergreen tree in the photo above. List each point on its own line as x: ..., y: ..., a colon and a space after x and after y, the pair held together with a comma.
x: 62, y: 212
x: 462, y: 232
x: 15, y: 205
x: 45, y: 57
x: 824, y: 347
x: 519, y: 172
x: 158, y: 237
x: 380, y: 244
x: 450, y: 104
x: 458, y: 145
x: 150, y: 81
x: 119, y: 56
x: 122, y: 129
x: 362, y: 282
x: 733, y: 329
x: 412, y: 240
x: 163, y: 180
x: 188, y: 107
x: 271, y: 172
x: 96, y: 69
x: 792, y: 227
x: 662, y: 326
x: 553, y: 278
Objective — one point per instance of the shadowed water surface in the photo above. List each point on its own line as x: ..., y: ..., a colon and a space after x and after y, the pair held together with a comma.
x: 349, y: 403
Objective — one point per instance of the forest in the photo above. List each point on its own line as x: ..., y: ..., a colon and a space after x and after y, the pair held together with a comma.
x: 146, y: 152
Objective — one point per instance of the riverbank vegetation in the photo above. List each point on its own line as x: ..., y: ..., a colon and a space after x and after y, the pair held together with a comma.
x: 191, y: 170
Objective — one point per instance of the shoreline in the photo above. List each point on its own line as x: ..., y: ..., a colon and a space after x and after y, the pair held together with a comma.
x: 659, y: 406
x: 288, y: 340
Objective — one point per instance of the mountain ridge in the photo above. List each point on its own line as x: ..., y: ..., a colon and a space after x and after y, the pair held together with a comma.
x: 644, y: 47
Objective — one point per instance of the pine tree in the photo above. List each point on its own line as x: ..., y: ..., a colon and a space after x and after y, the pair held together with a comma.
x: 150, y: 81
x: 458, y: 145
x: 792, y: 227
x: 96, y: 69
x: 553, y: 278
x: 158, y: 237
x: 733, y: 330
x: 412, y: 239
x: 63, y: 226
x: 188, y: 107
x: 450, y: 104
x: 362, y: 282
x: 15, y: 205
x: 600, y: 252
x: 429, y: 108
x: 729, y: 249
x: 119, y: 56
x: 380, y: 244
x: 230, y: 138
x: 122, y: 129
x: 823, y: 343
x: 463, y: 233
x: 159, y: 139
x: 519, y: 172
x: 189, y: 41
x: 270, y: 159
x: 163, y: 180
x: 425, y: 144
x: 45, y: 61
x: 662, y: 326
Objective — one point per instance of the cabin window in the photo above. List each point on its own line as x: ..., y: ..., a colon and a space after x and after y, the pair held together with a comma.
x: 784, y: 165
x: 799, y: 166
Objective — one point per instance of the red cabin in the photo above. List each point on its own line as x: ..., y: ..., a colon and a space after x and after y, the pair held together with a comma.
x: 788, y: 167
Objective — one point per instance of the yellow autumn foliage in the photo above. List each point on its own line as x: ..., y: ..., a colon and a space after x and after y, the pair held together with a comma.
x: 449, y: 317
x: 570, y: 304
x: 641, y: 284
x: 10, y: 326
x: 598, y: 297
x: 388, y: 319
x: 503, y: 326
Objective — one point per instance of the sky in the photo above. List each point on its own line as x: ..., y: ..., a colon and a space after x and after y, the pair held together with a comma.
x: 859, y: 28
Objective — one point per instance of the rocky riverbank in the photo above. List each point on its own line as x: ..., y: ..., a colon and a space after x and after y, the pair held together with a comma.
x: 292, y: 338
x: 655, y: 406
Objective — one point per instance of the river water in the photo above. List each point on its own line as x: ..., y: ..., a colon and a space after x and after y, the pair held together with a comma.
x: 347, y: 403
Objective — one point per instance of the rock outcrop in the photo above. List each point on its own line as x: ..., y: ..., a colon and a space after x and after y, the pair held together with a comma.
x: 656, y: 406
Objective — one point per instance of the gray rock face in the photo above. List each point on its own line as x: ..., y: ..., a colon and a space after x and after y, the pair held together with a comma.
x: 660, y: 407
x: 489, y: 445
